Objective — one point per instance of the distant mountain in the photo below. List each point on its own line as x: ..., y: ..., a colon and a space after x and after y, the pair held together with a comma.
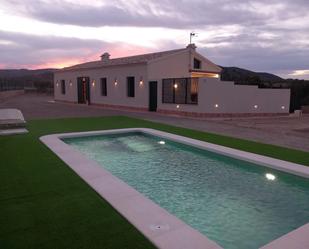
x: 16, y: 73
x: 268, y: 77
x: 244, y: 76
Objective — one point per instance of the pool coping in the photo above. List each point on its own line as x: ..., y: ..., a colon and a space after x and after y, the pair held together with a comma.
x: 163, y: 229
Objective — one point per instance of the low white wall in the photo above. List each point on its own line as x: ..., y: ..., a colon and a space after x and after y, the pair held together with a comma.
x: 232, y: 98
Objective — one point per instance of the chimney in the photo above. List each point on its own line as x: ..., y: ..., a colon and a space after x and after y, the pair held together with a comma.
x: 192, y: 46
x: 105, y: 57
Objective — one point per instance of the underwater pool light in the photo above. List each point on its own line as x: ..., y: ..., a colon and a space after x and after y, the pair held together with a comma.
x: 270, y: 176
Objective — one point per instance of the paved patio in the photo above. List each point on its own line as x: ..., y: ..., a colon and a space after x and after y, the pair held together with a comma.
x: 284, y: 131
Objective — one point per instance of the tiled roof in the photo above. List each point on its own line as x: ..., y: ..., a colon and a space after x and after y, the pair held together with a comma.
x: 143, y: 58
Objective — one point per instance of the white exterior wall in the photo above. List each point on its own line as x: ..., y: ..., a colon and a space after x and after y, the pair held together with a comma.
x: 173, y: 66
x: 232, y: 98
x: 229, y: 97
x: 177, y: 66
x: 116, y: 95
x: 206, y: 65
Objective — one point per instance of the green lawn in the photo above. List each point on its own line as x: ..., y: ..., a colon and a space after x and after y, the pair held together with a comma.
x: 43, y: 204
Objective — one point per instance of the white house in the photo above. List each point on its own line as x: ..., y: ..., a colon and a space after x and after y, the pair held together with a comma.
x: 179, y: 81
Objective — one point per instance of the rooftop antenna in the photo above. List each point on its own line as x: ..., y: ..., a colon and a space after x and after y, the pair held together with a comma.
x: 191, y: 35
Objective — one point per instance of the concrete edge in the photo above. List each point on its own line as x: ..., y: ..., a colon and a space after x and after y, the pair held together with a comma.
x: 148, y: 217
x: 297, y: 239
x: 7, y: 132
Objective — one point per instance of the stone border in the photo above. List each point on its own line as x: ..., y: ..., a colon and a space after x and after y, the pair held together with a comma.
x: 163, y: 229
x: 13, y: 131
x: 221, y: 115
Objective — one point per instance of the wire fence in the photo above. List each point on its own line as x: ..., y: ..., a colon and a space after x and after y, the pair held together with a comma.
x: 10, y: 86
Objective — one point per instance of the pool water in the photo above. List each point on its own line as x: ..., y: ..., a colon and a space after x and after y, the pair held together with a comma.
x: 230, y: 201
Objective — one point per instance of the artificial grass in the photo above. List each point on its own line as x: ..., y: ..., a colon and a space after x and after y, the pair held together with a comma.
x: 43, y: 204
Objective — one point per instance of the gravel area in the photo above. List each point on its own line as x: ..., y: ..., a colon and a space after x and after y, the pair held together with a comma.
x: 285, y: 131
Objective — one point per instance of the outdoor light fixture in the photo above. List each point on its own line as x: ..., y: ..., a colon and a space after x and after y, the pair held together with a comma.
x: 161, y: 142
x: 283, y: 107
x: 216, y: 105
x: 57, y: 84
x: 93, y: 83
x: 270, y: 177
x: 70, y: 83
x: 255, y: 106
x: 116, y: 82
x: 177, y: 106
x: 175, y: 86
x: 141, y: 82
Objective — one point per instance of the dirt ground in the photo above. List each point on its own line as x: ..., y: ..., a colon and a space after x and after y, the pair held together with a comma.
x: 285, y: 131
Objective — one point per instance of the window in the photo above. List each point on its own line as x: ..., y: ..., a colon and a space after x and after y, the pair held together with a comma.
x: 103, y: 87
x: 63, y: 86
x: 196, y: 64
x: 130, y: 86
x: 192, y: 91
x: 168, y: 91
x: 180, y: 91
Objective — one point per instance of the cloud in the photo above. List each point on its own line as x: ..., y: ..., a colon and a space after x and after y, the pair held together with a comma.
x: 260, y: 35
x: 281, y: 61
x: 32, y: 51
x: 300, y: 73
x: 160, y: 13
x: 260, y: 49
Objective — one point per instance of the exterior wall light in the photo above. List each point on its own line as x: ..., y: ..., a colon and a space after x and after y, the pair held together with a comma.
x: 115, y: 82
x: 175, y: 86
x: 255, y: 106
x: 141, y: 82
x: 57, y: 83
x: 93, y: 83
x: 71, y: 83
x: 177, y: 106
x: 216, y: 105
x: 283, y: 107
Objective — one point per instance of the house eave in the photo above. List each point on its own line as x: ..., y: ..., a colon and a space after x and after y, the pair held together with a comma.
x: 100, y: 67
x: 203, y: 71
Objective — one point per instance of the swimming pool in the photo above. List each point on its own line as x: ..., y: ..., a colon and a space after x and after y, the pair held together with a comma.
x: 236, y: 203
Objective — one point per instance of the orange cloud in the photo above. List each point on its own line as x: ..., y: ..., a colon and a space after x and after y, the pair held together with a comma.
x: 56, y: 63
x: 127, y: 50
x: 121, y: 50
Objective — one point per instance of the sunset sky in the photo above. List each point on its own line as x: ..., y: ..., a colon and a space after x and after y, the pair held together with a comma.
x: 262, y: 35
